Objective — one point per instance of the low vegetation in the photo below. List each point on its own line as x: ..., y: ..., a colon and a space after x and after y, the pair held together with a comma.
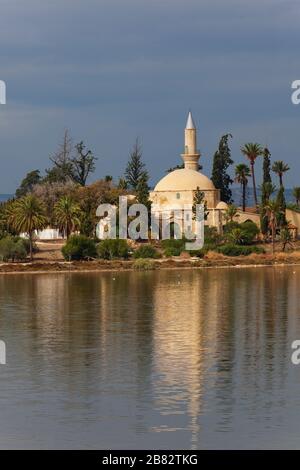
x: 173, y: 247
x: 141, y: 264
x: 111, y: 249
x: 13, y: 249
x: 79, y: 247
x: 239, y: 250
x: 146, y: 251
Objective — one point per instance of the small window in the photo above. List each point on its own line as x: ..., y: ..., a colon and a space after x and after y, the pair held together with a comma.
x: 187, y: 218
x: 177, y: 195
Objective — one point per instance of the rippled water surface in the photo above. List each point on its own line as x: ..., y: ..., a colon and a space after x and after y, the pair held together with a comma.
x: 164, y: 359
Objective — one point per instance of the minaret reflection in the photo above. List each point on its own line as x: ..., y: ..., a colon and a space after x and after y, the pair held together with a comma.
x: 185, y: 322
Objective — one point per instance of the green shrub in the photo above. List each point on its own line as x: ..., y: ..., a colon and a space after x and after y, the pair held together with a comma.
x: 143, y: 264
x: 13, y: 249
x: 172, y: 251
x: 113, y: 248
x: 241, y: 234
x: 79, y: 247
x: 19, y: 251
x: 250, y: 231
x: 211, y: 235
x: 239, y: 250
x: 146, y: 251
x: 26, y: 244
x: 236, y: 237
x: 173, y: 243
x: 230, y: 226
x: 173, y: 247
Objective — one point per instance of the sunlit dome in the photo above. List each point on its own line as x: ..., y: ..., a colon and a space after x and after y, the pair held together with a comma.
x: 184, y: 180
x: 222, y: 205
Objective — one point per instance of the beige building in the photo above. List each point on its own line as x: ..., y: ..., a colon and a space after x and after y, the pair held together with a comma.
x: 177, y: 189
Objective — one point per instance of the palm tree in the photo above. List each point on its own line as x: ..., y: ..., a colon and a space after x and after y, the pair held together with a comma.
x: 231, y: 212
x: 296, y: 194
x: 242, y: 172
x: 267, y: 189
x: 273, y: 211
x: 252, y: 151
x: 236, y: 236
x: 279, y: 168
x: 286, y: 238
x: 67, y: 215
x: 28, y: 215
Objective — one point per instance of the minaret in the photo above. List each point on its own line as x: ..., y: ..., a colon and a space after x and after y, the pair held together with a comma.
x: 191, y: 155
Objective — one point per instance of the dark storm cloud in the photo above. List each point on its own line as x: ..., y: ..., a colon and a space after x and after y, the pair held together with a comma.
x: 111, y: 70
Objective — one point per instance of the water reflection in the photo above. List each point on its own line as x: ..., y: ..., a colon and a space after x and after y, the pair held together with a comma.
x: 169, y: 359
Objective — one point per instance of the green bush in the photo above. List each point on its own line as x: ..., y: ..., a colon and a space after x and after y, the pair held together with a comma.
x: 79, y: 247
x: 19, y: 251
x: 13, y: 249
x: 172, y: 251
x: 173, y: 247
x: 250, y: 231
x: 241, y: 234
x: 230, y: 226
x: 239, y: 250
x: 173, y: 243
x: 143, y: 264
x: 211, y: 235
x: 113, y: 248
x: 26, y: 244
x: 236, y: 237
x: 146, y: 251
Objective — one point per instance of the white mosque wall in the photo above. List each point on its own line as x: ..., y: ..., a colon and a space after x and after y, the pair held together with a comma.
x: 46, y: 234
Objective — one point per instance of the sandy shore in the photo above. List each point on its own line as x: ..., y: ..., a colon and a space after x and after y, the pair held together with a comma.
x: 216, y: 261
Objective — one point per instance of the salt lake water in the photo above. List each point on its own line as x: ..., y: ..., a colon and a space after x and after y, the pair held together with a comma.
x: 197, y: 359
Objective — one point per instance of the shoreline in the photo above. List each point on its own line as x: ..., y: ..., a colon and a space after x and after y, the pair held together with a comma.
x: 256, y: 261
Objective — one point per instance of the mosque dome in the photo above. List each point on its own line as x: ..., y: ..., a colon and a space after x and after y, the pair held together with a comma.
x: 184, y: 180
x: 222, y: 206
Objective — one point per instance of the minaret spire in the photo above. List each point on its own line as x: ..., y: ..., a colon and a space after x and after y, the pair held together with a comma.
x: 190, y: 122
x: 191, y: 155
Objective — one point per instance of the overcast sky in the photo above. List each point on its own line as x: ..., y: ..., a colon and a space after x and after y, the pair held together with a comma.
x: 111, y: 70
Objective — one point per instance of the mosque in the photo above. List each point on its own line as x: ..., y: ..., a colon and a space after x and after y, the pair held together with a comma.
x: 177, y: 188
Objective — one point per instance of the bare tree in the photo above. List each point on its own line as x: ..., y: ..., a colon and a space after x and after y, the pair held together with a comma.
x: 83, y: 163
x: 62, y: 161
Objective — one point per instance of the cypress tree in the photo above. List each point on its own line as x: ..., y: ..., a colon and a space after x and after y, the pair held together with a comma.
x: 220, y: 178
x: 265, y: 190
x: 135, y: 170
x: 267, y: 166
x: 280, y: 200
x: 142, y: 191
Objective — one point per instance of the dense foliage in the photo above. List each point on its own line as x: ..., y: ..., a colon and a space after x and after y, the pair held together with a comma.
x: 79, y: 247
x: 13, y: 249
x: 113, y: 248
x: 238, y: 250
x: 146, y: 251
x: 221, y: 162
